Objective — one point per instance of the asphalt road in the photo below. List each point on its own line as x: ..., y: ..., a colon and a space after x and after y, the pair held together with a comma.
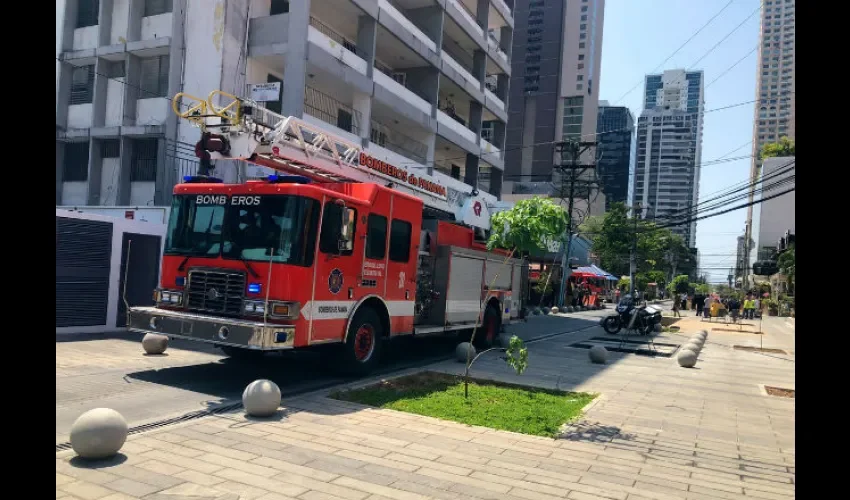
x: 112, y: 371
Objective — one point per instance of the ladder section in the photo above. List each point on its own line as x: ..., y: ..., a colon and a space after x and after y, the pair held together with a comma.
x: 242, y: 129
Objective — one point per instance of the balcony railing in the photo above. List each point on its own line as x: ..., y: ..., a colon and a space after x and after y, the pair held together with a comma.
x: 459, y: 69
x: 385, y: 77
x: 329, y: 110
x: 469, y: 16
x: 390, y: 138
x: 455, y: 123
x: 334, y: 35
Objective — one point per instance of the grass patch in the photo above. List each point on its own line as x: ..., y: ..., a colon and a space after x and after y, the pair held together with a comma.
x: 539, y: 412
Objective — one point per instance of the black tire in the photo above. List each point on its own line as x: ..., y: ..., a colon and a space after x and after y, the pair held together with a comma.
x: 240, y: 353
x: 491, y: 324
x: 612, y: 325
x: 363, y: 344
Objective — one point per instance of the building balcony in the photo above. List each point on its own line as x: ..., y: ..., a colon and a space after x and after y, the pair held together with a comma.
x: 386, y: 134
x: 464, y: 17
x: 268, y: 34
x: 393, y: 82
x: 335, y: 115
x: 403, y: 27
x: 452, y: 128
x: 340, y: 47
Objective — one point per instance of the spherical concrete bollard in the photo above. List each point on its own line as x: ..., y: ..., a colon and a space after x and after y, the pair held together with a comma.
x: 98, y: 433
x: 692, y: 346
x: 154, y: 343
x: 504, y: 340
x: 697, y: 339
x: 703, y: 334
x: 462, y: 349
x: 261, y: 398
x: 657, y: 328
x: 687, y: 358
x: 546, y: 311
x: 536, y: 311
x: 598, y: 354
x: 554, y: 310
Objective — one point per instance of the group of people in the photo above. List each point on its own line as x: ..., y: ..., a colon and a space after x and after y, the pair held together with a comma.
x: 702, y: 304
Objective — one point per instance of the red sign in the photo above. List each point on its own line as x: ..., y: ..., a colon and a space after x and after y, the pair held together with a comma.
x: 129, y: 214
x: 401, y: 175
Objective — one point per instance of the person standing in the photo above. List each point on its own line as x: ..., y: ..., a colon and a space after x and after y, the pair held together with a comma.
x: 676, y: 306
x: 749, y: 307
x: 699, y: 303
x: 706, y: 307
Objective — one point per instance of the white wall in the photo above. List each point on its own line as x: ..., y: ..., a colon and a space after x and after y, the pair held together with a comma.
x: 141, y: 193
x: 79, y: 116
x: 157, y: 26
x: 75, y: 193
x: 109, y: 181
x: 120, y: 20
x: 86, y: 38
x: 203, y: 35
x: 120, y: 226
x: 152, y: 111
x: 114, y: 102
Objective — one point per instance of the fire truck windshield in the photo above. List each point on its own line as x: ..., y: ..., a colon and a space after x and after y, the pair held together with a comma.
x: 272, y: 228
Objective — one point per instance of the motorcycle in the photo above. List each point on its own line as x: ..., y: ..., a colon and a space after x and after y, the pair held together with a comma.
x: 631, y: 316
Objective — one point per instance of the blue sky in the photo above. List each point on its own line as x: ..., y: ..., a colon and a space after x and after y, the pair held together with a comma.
x: 640, y: 34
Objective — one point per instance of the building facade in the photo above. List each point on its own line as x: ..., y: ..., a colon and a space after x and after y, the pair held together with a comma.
x: 775, y: 86
x: 775, y: 215
x: 615, y: 127
x: 420, y: 84
x: 554, y: 91
x: 669, y: 150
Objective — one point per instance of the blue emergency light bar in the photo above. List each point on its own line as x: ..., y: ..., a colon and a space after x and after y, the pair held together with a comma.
x: 201, y: 179
x: 288, y: 179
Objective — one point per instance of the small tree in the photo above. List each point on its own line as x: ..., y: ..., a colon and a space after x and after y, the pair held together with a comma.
x: 679, y: 284
x: 788, y: 266
x: 524, y: 228
x: 785, y: 147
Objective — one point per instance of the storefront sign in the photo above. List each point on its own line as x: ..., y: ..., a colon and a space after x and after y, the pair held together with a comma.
x: 422, y: 183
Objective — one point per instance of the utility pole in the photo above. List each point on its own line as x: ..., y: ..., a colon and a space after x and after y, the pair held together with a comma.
x: 633, y: 253
x: 575, y: 150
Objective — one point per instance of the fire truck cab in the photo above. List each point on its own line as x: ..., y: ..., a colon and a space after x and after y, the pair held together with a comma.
x: 329, y: 246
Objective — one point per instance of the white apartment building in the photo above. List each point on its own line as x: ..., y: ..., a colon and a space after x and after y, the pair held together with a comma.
x: 413, y: 81
x: 776, y: 215
x: 669, y: 149
x: 775, y: 87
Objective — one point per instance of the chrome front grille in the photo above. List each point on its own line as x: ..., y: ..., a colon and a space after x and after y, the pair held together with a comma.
x: 215, y: 291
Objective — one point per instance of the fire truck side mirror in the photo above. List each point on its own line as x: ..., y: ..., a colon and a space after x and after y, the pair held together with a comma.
x: 346, y: 236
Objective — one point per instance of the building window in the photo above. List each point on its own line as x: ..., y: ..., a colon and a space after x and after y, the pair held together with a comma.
x: 332, y: 228
x: 110, y: 148
x: 115, y: 69
x: 580, y: 66
x: 82, y: 85
x: 154, y: 77
x: 582, y: 36
x: 584, y: 17
x: 376, y: 237
x: 143, y: 160
x: 75, y: 164
x: 279, y: 7
x: 581, y: 57
x: 581, y: 45
x: 400, y: 233
x: 579, y: 86
x: 157, y: 7
x: 582, y: 27
x: 579, y: 78
x: 87, y: 13
x: 584, y: 8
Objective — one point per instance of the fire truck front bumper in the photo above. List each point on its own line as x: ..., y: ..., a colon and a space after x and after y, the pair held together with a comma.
x: 212, y: 329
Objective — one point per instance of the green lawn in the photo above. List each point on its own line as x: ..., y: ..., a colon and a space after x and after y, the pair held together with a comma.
x: 512, y: 408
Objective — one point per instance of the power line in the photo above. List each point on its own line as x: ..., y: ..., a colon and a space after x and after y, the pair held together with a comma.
x: 736, y: 28
x: 739, y: 61
x: 697, y: 32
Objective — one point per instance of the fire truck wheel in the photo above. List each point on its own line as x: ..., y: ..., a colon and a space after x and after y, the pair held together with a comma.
x: 490, y: 327
x: 363, y: 345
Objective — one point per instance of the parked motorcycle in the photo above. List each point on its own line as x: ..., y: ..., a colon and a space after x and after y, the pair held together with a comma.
x: 641, y: 318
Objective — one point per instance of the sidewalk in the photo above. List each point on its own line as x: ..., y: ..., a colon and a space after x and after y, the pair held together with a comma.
x: 656, y: 432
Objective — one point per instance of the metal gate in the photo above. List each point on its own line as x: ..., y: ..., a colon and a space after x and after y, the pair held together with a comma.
x: 140, y: 269
x: 83, y: 253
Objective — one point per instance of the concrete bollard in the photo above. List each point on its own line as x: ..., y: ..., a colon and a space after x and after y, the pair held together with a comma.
x: 462, y: 349
x: 261, y: 398
x: 98, y: 433
x: 687, y: 358
x: 546, y: 311
x: 554, y: 310
x: 598, y: 355
x: 154, y: 343
x: 693, y: 346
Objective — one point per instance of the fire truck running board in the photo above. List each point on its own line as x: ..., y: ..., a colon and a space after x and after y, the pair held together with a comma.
x: 432, y: 330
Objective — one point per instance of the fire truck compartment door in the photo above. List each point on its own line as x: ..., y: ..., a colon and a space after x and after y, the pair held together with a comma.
x: 463, y: 299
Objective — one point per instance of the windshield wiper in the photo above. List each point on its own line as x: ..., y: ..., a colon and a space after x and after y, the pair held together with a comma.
x: 248, y: 267
x: 183, y: 263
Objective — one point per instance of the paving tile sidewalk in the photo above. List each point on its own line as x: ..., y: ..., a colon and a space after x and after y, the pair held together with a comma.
x: 656, y: 432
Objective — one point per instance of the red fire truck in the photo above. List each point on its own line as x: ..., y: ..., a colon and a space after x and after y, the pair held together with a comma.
x: 327, y: 244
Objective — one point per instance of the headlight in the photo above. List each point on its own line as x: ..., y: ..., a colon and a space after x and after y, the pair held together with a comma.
x: 278, y: 310
x: 168, y: 297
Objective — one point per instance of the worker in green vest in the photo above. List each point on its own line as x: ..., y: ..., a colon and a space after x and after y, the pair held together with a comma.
x: 749, y: 307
